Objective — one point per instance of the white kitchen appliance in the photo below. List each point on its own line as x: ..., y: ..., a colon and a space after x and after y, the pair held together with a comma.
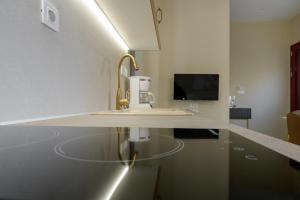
x: 139, y: 134
x: 140, y: 97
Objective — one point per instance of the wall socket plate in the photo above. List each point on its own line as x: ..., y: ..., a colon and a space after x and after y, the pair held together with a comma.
x: 50, y: 15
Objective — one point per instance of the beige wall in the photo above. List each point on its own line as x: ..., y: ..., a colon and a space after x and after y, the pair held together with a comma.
x: 44, y: 73
x: 260, y: 64
x: 150, y: 61
x: 195, y: 39
x: 295, y: 25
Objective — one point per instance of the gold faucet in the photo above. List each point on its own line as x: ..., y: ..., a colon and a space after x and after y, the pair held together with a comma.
x: 123, y: 103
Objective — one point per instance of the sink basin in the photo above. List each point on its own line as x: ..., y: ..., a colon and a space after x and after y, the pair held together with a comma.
x: 153, y: 111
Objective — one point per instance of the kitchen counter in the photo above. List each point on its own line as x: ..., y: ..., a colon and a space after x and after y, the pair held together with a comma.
x: 148, y: 112
x: 95, y: 163
x: 149, y: 121
x: 91, y: 120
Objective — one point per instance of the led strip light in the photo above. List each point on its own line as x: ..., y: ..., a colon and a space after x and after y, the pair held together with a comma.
x: 95, y: 8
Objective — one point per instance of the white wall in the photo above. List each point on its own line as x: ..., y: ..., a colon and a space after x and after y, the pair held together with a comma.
x: 43, y: 73
x: 295, y: 25
x: 260, y: 64
x: 195, y: 39
x: 150, y: 66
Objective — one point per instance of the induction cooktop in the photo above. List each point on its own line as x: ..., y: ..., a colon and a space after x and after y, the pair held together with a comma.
x: 61, y: 163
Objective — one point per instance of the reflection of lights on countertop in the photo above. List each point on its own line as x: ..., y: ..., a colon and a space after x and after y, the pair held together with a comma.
x: 251, y: 157
x: 96, y: 10
x: 238, y: 148
x: 116, y: 183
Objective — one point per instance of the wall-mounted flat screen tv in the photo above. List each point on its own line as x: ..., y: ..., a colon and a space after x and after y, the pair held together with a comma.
x: 196, y: 87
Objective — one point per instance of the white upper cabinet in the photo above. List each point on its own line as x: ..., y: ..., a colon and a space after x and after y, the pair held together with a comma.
x: 135, y: 20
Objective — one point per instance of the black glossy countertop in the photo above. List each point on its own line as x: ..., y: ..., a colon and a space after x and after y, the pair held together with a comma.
x: 60, y: 163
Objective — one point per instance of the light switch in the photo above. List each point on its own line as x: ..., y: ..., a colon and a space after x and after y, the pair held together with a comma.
x: 50, y: 15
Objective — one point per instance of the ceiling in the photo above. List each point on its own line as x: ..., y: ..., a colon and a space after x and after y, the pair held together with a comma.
x: 264, y: 10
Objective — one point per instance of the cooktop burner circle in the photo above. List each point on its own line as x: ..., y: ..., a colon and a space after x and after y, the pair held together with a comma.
x: 86, y: 149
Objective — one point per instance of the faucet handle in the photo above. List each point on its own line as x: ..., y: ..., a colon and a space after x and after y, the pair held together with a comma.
x: 124, y: 103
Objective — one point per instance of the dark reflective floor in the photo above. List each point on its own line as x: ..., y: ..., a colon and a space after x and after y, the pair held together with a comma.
x: 55, y: 163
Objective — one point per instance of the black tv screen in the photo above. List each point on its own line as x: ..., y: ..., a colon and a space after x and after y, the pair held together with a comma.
x: 196, y: 87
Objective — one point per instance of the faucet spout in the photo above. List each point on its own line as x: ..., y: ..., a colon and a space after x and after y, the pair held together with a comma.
x: 121, y: 103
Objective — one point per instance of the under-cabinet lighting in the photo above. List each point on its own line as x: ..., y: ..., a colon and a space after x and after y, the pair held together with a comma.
x: 116, y: 183
x: 94, y: 7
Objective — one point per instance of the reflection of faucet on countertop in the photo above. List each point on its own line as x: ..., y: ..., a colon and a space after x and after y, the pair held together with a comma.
x: 133, y: 135
x: 123, y: 103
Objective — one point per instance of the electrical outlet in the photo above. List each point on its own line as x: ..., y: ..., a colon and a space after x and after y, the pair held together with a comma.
x: 50, y: 15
